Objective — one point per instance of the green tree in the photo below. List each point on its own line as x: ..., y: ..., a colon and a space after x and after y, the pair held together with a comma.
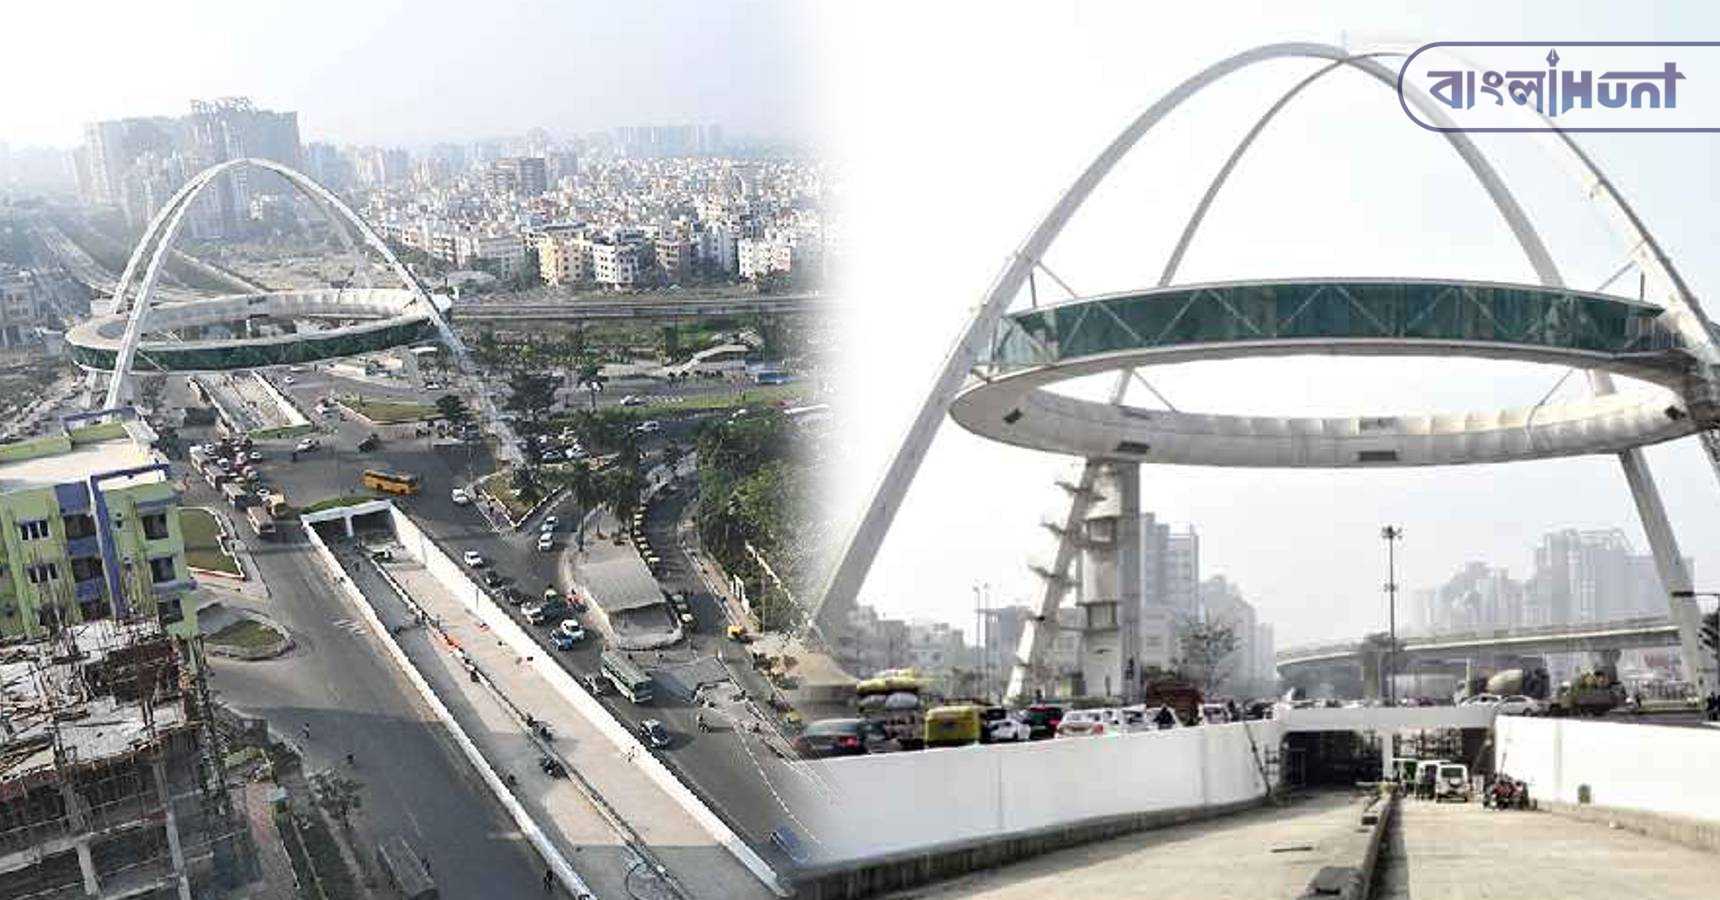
x: 1208, y: 649
x: 531, y: 395
x: 451, y: 409
x: 620, y: 487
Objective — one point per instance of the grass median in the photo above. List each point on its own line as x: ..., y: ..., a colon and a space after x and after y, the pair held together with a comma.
x: 203, y: 550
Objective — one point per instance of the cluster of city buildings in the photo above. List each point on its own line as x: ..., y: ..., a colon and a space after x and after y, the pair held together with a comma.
x: 137, y: 164
x: 612, y: 222
x: 1579, y: 576
x: 643, y: 206
x: 1139, y: 589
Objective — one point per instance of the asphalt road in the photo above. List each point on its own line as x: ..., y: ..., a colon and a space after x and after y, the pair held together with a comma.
x: 339, y: 682
x: 731, y: 770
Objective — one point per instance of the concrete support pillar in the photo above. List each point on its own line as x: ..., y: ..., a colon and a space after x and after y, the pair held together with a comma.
x: 171, y: 823
x: 1674, y: 575
x: 87, y: 865
x: 347, y: 521
x: 78, y: 812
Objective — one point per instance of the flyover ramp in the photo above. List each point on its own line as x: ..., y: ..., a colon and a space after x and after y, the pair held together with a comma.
x: 1268, y: 852
x: 631, y: 815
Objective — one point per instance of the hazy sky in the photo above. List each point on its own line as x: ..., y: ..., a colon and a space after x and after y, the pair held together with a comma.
x: 401, y: 72
x: 963, y: 128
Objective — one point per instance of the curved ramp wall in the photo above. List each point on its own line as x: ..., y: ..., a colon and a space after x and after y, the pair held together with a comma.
x: 893, y: 819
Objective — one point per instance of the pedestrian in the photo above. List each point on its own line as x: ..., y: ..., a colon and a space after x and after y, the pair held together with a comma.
x: 306, y: 731
x: 548, y: 880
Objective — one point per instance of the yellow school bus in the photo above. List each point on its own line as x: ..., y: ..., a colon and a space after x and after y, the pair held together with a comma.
x: 391, y: 482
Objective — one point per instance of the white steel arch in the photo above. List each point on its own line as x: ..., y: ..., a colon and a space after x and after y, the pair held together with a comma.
x: 847, y: 576
x: 158, y: 238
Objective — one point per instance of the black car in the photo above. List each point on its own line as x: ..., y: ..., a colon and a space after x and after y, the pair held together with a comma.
x: 369, y: 443
x: 511, y: 595
x: 836, y: 737
x: 1042, y: 720
x: 491, y: 579
x: 653, y: 734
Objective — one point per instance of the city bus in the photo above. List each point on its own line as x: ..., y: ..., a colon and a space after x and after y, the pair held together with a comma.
x: 391, y: 482
x: 628, y: 678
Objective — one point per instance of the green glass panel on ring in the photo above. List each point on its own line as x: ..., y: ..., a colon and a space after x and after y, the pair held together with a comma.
x: 306, y: 347
x: 1324, y: 310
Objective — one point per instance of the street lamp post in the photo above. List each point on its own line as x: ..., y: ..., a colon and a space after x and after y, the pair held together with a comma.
x: 1391, y: 534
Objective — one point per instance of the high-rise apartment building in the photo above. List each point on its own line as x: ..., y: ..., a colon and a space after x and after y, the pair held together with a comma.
x: 89, y: 530
x: 137, y: 163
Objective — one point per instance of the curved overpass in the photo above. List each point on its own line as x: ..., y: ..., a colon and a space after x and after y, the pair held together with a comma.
x: 1032, y: 350
x: 1655, y: 631
x: 376, y: 319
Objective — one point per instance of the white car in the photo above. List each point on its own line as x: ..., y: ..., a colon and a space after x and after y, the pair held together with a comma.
x: 472, y: 558
x: 549, y: 523
x: 307, y: 445
x: 459, y: 496
x: 631, y: 400
x: 650, y: 427
x: 1009, y: 728
x: 288, y: 380
x: 1481, y: 700
x: 546, y: 541
x: 1520, y: 705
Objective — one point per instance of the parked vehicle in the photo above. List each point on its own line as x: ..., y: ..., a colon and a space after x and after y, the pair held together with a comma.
x: 459, y: 497
x: 1089, y: 723
x: 549, y: 523
x: 546, y: 542
x: 1480, y: 700
x: 1005, y: 726
x: 473, y: 559
x: 547, y: 611
x: 953, y: 726
x: 492, y: 579
x: 370, y: 442
x: 837, y: 737
x: 628, y: 678
x: 1214, y: 714
x: 654, y: 734
x: 1042, y: 719
x: 1520, y: 705
x: 1453, y: 783
x: 1588, y: 694
x: 307, y: 445
x: 567, y: 635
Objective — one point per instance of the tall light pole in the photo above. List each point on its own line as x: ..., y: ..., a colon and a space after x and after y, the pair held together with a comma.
x: 1391, y: 534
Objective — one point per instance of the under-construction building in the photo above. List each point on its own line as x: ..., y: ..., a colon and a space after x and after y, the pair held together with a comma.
x: 111, y: 776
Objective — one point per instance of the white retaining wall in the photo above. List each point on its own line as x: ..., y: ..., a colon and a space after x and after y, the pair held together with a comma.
x: 893, y: 803
x: 528, y: 826
x: 458, y: 583
x: 289, y: 410
x: 1653, y: 768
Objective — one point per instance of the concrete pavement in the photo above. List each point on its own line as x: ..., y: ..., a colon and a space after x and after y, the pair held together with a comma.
x: 1460, y: 851
x: 1268, y: 852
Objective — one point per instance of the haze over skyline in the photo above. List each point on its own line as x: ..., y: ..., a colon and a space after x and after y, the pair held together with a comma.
x: 410, y: 74
x: 1341, y: 184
